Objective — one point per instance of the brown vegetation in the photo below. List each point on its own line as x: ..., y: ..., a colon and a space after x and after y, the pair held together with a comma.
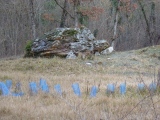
x: 131, y: 66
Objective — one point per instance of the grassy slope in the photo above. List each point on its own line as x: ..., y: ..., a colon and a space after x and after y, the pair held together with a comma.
x: 130, y: 66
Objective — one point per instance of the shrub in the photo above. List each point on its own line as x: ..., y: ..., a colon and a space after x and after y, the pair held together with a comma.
x: 28, y: 49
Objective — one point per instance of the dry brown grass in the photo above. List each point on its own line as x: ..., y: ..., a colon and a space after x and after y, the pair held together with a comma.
x: 129, y: 66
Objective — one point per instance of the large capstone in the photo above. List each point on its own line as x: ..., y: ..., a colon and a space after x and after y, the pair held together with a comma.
x: 67, y: 42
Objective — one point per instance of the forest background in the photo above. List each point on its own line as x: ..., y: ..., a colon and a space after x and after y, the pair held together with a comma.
x: 131, y: 24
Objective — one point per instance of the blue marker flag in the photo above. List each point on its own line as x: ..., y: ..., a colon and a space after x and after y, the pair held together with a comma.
x: 110, y: 88
x: 33, y: 87
x: 9, y: 84
x: 58, y: 89
x: 44, y: 86
x: 18, y: 90
x: 18, y: 87
x: 4, y: 89
x: 93, y: 92
x: 76, y: 89
x: 18, y: 94
x: 122, y: 88
x: 152, y: 86
x: 141, y: 86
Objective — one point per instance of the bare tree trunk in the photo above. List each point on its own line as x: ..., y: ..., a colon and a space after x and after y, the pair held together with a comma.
x: 115, y: 30
x: 64, y: 9
x: 158, y: 78
x: 32, y: 14
x: 64, y: 14
x: 147, y: 23
x: 75, y: 13
x: 115, y: 25
x: 153, y: 22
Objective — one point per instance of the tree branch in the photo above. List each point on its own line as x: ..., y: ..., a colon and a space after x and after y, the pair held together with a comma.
x: 64, y: 9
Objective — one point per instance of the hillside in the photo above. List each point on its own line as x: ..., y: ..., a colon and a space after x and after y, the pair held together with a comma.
x: 126, y: 64
x: 130, y: 66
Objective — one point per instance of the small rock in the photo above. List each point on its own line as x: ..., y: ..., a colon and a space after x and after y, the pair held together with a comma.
x: 107, y: 51
x: 97, y: 54
x: 71, y: 55
x: 88, y: 63
x: 110, y: 49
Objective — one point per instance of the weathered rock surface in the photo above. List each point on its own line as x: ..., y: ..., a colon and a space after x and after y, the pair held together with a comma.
x: 67, y: 42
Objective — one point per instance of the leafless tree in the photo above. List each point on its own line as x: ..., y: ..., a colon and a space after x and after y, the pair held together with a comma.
x: 25, y: 20
x: 32, y: 14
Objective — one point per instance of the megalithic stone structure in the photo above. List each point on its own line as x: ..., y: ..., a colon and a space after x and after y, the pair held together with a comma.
x: 67, y: 43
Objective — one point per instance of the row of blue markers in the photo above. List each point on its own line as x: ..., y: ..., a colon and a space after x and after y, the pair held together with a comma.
x: 5, y: 88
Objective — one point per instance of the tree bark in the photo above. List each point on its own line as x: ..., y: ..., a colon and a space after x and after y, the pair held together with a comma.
x: 153, y: 23
x: 64, y: 9
x: 76, y: 3
x: 32, y: 15
x: 115, y: 24
x: 147, y: 23
x: 64, y: 14
x: 115, y: 30
x: 158, y: 78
